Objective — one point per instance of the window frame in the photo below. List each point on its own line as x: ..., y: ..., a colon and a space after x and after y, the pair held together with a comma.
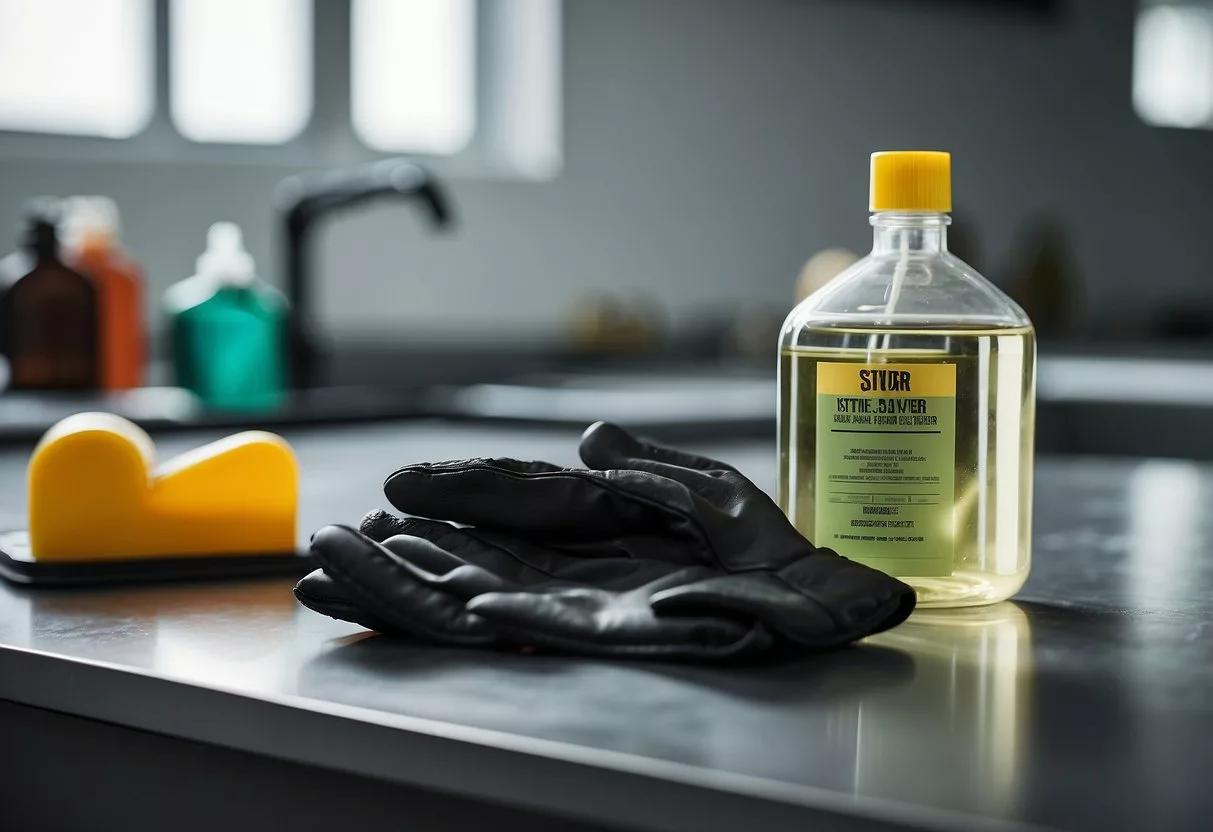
x: 328, y: 139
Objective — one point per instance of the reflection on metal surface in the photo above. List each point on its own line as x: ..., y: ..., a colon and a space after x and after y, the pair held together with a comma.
x: 105, y: 626
x: 821, y: 697
x: 1165, y: 503
x: 239, y: 636
x: 969, y: 701
x: 16, y: 619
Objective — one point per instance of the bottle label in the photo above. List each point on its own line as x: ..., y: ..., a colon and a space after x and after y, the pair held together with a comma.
x: 885, y: 472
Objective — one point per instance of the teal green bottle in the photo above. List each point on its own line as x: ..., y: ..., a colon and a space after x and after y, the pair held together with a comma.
x: 227, y: 329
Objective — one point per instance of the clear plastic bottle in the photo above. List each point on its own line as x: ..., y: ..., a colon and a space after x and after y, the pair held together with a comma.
x: 907, y: 404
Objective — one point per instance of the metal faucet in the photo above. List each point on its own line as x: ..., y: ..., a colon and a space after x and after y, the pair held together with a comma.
x: 303, y: 201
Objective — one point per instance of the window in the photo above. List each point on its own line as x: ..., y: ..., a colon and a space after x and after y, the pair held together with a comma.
x: 412, y: 74
x: 1173, y: 66
x: 524, y: 101
x: 240, y: 71
x: 81, y: 68
x: 474, y: 85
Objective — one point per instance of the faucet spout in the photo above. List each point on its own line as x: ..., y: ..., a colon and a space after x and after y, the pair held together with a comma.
x: 303, y: 202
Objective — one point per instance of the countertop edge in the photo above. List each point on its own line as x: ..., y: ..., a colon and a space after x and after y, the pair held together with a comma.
x: 541, y: 775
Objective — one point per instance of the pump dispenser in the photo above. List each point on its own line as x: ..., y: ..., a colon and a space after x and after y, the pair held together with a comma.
x: 226, y: 326
x: 907, y: 404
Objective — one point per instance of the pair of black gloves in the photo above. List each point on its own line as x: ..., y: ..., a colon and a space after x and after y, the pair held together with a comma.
x: 646, y: 552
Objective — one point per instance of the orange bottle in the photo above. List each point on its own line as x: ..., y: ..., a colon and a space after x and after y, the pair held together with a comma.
x: 94, y: 250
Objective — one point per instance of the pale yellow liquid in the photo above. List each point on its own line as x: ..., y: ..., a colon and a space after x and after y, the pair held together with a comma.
x: 995, y: 430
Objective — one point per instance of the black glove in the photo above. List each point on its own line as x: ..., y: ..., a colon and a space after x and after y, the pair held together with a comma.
x: 652, y: 551
x: 430, y: 580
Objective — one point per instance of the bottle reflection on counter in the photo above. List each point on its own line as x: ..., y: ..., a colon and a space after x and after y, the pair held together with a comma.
x: 48, y: 312
x: 974, y: 672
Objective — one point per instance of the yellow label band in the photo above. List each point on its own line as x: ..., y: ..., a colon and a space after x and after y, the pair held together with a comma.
x: 886, y: 380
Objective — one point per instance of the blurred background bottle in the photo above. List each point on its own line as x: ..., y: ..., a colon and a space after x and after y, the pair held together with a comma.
x: 1044, y: 281
x: 48, y: 312
x: 821, y: 268
x: 91, y: 242
x: 227, y: 328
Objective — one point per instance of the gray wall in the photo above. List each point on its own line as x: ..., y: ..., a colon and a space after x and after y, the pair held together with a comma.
x: 711, y: 145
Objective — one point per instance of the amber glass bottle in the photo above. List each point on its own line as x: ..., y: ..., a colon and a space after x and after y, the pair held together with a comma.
x: 48, y: 314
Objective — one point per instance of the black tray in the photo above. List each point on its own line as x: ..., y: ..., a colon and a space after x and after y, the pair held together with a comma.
x: 17, y: 566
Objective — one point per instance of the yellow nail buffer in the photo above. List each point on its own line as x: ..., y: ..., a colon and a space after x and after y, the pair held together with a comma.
x: 93, y: 495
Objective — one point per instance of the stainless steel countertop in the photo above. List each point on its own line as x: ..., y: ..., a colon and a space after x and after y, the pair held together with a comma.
x: 1087, y: 703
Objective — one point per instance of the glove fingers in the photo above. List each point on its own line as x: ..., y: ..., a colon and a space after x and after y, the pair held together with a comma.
x: 605, y: 445
x: 379, y: 525
x: 519, y: 564
x: 484, y: 492
x: 453, y: 547
x: 608, y: 448
x: 444, y: 572
x: 522, y: 467
x: 469, y: 562
x: 741, y: 525
x: 592, y: 620
x: 383, y: 584
x: 547, y: 505
x: 320, y: 593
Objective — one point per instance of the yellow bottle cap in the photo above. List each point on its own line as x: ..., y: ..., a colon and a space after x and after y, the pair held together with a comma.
x: 911, y: 180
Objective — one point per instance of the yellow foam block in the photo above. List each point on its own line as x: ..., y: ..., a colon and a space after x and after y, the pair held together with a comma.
x: 93, y: 494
